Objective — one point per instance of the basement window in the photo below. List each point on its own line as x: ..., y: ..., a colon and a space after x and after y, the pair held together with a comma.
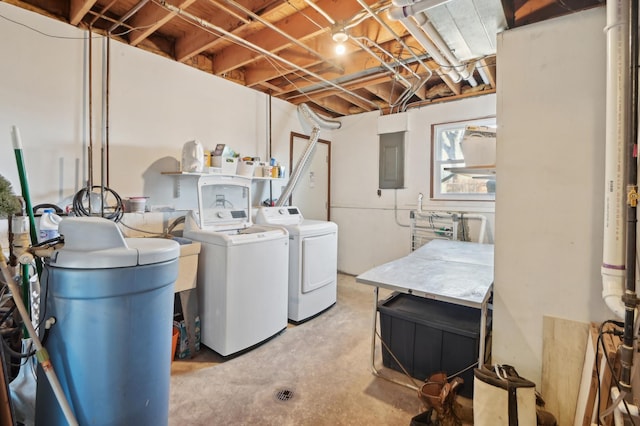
x: 452, y: 176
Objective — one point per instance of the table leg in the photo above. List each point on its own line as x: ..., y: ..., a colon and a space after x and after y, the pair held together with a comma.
x: 377, y: 372
x: 483, y: 333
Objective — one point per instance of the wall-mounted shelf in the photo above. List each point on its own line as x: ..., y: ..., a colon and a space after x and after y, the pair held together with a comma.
x: 219, y: 174
x: 196, y: 174
x: 476, y: 172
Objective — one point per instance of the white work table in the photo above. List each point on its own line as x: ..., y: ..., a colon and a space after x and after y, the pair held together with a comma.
x: 450, y: 271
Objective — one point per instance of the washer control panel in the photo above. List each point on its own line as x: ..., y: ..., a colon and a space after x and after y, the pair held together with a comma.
x: 287, y: 215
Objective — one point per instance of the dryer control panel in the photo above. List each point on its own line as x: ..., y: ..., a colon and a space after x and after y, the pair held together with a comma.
x: 279, y: 216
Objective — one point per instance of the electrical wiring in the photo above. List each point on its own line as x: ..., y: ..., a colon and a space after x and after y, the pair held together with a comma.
x: 97, y: 36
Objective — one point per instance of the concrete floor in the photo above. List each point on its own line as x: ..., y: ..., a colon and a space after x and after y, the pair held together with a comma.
x: 323, y: 366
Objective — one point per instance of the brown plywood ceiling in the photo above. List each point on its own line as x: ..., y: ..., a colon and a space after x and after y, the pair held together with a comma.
x: 397, y: 55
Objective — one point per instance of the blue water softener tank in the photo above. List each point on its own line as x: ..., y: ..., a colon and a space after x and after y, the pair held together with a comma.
x: 110, y: 345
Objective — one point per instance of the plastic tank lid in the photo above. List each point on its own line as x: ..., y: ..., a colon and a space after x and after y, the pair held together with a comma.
x: 97, y: 243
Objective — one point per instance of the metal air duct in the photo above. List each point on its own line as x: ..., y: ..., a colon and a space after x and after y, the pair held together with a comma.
x: 313, y: 122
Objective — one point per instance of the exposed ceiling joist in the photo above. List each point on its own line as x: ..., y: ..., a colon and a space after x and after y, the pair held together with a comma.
x: 286, y: 48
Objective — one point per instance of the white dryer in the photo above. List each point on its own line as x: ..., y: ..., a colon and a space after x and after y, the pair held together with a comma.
x: 242, y: 268
x: 313, y: 260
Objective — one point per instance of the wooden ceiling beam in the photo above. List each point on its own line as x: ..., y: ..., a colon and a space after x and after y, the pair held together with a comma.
x: 509, y: 8
x: 298, y: 26
x: 531, y: 7
x: 355, y: 64
x: 539, y: 10
x: 334, y: 104
x: 78, y: 9
x: 196, y: 42
x: 356, y: 101
x: 488, y: 64
x: 389, y: 92
x: 330, y: 91
x: 262, y: 70
x: 150, y: 19
x: 356, y: 83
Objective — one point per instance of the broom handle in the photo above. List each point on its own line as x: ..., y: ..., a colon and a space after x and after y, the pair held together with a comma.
x: 41, y: 352
x: 24, y: 184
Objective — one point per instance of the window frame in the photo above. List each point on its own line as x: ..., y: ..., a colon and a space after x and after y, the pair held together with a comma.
x: 437, y: 164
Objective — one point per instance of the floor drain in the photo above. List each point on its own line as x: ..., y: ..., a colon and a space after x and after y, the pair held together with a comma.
x: 284, y: 395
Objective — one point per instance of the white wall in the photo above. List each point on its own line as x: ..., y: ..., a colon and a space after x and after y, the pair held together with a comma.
x: 371, y: 231
x: 549, y: 204
x: 155, y: 104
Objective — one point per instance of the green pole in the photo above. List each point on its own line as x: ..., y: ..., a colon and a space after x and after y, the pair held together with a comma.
x: 22, y: 172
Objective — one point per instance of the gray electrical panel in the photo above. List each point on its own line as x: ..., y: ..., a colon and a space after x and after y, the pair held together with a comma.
x: 391, y: 166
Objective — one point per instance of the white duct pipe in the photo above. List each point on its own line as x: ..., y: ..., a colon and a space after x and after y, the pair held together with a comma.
x: 620, y: 408
x: 617, y: 117
x: 435, y: 36
x: 406, y: 8
x: 310, y: 121
x: 431, y: 48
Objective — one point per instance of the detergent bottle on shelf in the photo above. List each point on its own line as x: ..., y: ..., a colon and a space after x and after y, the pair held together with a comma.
x: 49, y: 222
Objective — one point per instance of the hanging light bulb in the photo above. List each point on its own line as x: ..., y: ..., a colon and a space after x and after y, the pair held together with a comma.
x: 340, y: 37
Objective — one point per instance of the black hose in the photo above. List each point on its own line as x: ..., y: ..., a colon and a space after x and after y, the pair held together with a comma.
x: 84, y: 194
x: 14, y: 353
x: 57, y: 209
x: 7, y: 314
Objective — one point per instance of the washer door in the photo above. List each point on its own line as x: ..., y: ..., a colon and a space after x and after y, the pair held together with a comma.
x: 319, y: 261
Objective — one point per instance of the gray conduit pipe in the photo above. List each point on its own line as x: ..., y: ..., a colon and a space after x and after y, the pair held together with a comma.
x: 307, y: 118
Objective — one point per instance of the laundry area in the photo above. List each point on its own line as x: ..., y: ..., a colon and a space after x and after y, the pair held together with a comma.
x: 318, y: 212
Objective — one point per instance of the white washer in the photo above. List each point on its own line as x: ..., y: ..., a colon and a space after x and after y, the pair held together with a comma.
x: 242, y: 268
x: 313, y: 260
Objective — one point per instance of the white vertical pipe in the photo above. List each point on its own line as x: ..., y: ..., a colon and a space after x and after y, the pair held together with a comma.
x: 434, y: 44
x: 483, y: 225
x: 431, y: 48
x: 617, y: 117
x: 435, y: 36
x: 411, y: 7
x: 621, y: 408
